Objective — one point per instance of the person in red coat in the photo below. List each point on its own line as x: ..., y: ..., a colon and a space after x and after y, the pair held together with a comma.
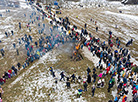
x: 107, y: 70
x: 111, y: 45
x: 10, y: 71
x: 134, y: 91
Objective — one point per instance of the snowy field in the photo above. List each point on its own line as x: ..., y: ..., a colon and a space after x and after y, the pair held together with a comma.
x: 10, y: 21
x: 108, y: 18
x: 36, y: 84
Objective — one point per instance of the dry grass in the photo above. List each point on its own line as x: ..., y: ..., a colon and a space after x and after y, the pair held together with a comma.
x: 11, y: 57
x: 97, y: 14
x: 65, y: 63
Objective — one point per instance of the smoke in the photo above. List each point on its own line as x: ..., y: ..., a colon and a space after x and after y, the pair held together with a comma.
x: 67, y: 48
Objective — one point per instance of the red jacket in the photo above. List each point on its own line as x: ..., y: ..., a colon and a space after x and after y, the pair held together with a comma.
x: 111, y: 45
x: 107, y: 69
x: 10, y: 71
x: 76, y: 34
x: 123, y: 100
x: 88, y: 43
x: 134, y: 91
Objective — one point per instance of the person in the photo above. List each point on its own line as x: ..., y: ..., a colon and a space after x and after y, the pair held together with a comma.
x: 2, y: 52
x: 79, y: 79
x: 19, y: 25
x: 15, y: 70
x: 85, y: 26
x: 53, y: 74
x: 1, y: 91
x: 0, y: 100
x: 99, y: 83
x: 19, y: 65
x: 30, y: 38
x: 36, y: 44
x: 135, y: 97
x: 116, y: 99
x: 30, y: 29
x: 101, y: 67
x: 17, y: 52
x: 118, y: 44
x: 94, y: 70
x: 110, y: 101
x: 93, y: 90
x: 73, y: 78
x: 88, y: 70
x: 51, y: 70
x: 1, y: 81
x: 89, y: 78
x: 14, y: 45
x: 102, y: 84
x: 85, y: 86
x: 124, y: 99
x: 12, y: 32
x: 117, y: 40
x: 129, y: 42
x: 68, y: 84
x: 79, y: 93
x: 96, y: 29
x: 134, y: 91
x: 6, y: 34
x: 109, y: 86
x: 94, y: 76
x: 62, y: 76
x: 111, y: 45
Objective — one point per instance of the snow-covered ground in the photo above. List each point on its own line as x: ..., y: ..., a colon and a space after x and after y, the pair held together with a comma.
x: 39, y: 85
x: 108, y: 18
x: 31, y: 82
x: 9, y: 21
x: 34, y: 79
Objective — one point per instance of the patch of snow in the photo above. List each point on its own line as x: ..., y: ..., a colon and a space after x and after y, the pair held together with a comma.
x: 46, y: 56
x: 92, y: 58
x: 24, y: 5
x: 1, y: 36
x: 125, y: 16
x: 39, y: 80
x: 3, y: 10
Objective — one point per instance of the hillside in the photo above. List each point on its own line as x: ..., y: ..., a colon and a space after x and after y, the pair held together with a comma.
x: 57, y: 48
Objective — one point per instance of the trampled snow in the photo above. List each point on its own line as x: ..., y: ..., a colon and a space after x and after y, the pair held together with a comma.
x: 41, y: 78
x: 44, y: 79
x: 1, y: 36
x: 125, y: 16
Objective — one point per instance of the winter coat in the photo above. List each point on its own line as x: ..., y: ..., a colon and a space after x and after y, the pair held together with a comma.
x: 93, y: 89
x: 68, y: 84
x: 88, y: 70
x: 62, y: 74
x: 94, y: 76
x: 85, y: 85
x: 73, y: 76
x: 89, y: 79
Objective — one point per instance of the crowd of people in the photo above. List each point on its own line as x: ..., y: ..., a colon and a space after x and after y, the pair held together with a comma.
x: 118, y: 61
x: 118, y: 65
x: 34, y: 49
